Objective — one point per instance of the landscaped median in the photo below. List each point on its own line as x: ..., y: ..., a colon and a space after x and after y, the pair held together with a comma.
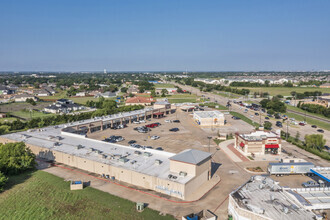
x: 246, y: 119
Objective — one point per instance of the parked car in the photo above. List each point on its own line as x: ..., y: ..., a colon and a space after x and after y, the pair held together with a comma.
x: 132, y: 142
x: 320, y: 130
x: 310, y: 184
x: 154, y: 137
x: 176, y: 121
x: 256, y: 113
x: 174, y: 129
x: 302, y: 123
x: 235, y: 118
x: 314, y: 126
x: 159, y: 148
x: 136, y: 122
x: 142, y: 121
x: 267, y: 118
x: 279, y: 124
x: 121, y: 126
x: 168, y: 121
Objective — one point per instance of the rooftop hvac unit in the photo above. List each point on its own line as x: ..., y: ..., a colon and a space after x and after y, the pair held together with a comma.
x: 137, y: 152
x: 123, y: 159
x: 79, y: 146
x: 158, y: 162
x: 102, y: 156
x: 133, y: 161
x: 182, y: 173
x: 147, y: 154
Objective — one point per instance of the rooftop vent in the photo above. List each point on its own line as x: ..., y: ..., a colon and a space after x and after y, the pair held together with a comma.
x: 137, y: 152
x: 182, y: 173
x: 147, y: 154
x: 79, y: 146
x: 123, y: 159
x: 158, y: 162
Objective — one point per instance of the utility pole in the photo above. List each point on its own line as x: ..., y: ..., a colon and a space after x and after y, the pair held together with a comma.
x: 209, y: 137
x: 287, y: 129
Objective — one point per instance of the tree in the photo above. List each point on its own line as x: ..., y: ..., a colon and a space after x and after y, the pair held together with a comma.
x: 31, y: 101
x: 124, y: 89
x: 271, y: 112
x: 297, y: 136
x: 153, y: 93
x: 15, y: 158
x: 267, y: 125
x: 293, y: 93
x: 315, y: 141
x: 164, y: 92
x: 3, y: 181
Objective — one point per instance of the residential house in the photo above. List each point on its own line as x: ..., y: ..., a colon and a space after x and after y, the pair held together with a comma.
x: 63, y: 106
x: 139, y: 100
x: 23, y: 97
x: 106, y: 95
x: 41, y: 92
x: 325, y: 85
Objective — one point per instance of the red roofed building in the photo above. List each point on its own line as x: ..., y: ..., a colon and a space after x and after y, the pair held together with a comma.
x: 139, y: 100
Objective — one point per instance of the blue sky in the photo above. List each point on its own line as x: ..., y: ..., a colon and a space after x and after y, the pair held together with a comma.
x: 129, y: 35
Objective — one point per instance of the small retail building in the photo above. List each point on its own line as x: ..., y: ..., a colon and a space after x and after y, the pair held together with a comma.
x: 209, y: 118
x: 258, y: 143
x: 139, y: 100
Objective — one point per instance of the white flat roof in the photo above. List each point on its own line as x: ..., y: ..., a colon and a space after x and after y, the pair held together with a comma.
x: 69, y: 142
x: 265, y: 197
x: 259, y: 135
x: 209, y: 114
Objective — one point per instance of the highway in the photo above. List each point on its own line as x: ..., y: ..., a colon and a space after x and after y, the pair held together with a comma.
x: 292, y: 129
x: 309, y: 116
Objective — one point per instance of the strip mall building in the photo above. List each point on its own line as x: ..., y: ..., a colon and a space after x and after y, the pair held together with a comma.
x: 177, y: 175
x: 258, y: 143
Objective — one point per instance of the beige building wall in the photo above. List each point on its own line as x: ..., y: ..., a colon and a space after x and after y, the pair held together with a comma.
x: 165, y: 186
x: 177, y: 167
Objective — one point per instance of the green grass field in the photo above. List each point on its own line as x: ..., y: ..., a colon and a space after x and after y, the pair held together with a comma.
x: 9, y: 119
x: 27, y: 115
x: 164, y: 85
x: 285, y: 91
x: 310, y: 121
x: 40, y: 195
x: 244, y: 118
x: 303, y: 111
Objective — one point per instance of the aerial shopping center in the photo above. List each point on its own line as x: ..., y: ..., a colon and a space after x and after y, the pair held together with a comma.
x: 178, y: 175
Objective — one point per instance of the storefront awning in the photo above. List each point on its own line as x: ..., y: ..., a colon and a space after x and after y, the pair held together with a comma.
x: 242, y: 144
x: 271, y: 146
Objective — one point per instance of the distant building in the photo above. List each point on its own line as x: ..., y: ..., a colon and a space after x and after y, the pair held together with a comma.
x: 162, y: 104
x: 133, y: 89
x: 321, y: 100
x: 325, y: 85
x: 5, y: 90
x: 258, y: 143
x: 23, y: 97
x: 63, y: 106
x: 106, y: 95
x: 170, y: 91
x: 209, y: 118
x: 139, y: 100
x: 81, y: 94
x: 41, y: 92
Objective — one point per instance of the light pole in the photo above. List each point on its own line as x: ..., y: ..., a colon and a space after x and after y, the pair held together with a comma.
x: 287, y: 129
x: 209, y: 137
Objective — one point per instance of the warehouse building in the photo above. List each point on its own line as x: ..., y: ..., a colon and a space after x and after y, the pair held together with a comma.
x: 258, y: 143
x: 209, y: 118
x: 263, y: 198
x: 177, y: 175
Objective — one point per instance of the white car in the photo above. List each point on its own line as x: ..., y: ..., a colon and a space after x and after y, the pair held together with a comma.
x: 154, y: 137
x: 136, y: 122
x: 142, y: 121
x: 168, y: 121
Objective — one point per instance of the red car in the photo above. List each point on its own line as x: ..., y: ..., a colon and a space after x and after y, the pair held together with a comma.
x: 152, y: 125
x: 302, y: 123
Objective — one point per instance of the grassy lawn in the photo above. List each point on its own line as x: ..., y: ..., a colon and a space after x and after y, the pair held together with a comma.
x: 285, y: 91
x: 27, y: 115
x: 164, y: 85
x: 303, y: 111
x: 310, y: 121
x: 9, y: 119
x: 40, y: 195
x: 181, y: 100
x: 244, y: 118
x: 213, y: 105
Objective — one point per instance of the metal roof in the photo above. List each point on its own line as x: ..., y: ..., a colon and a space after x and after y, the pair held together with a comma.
x: 209, y: 114
x: 191, y: 156
x: 323, y: 172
